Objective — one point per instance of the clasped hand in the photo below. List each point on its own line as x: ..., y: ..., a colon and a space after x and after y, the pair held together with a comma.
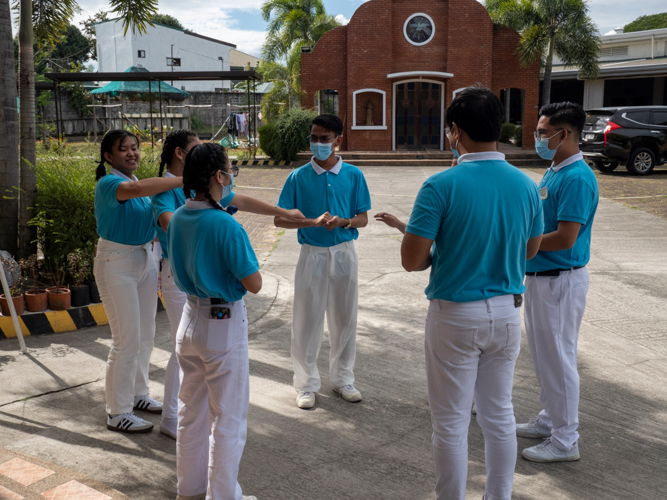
x: 329, y: 221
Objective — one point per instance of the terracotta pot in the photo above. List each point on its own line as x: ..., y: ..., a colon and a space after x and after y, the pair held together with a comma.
x: 36, y: 300
x: 18, y: 305
x: 60, y: 298
x: 94, y: 291
x: 80, y: 295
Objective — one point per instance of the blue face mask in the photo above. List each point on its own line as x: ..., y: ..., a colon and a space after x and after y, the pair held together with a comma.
x: 227, y: 190
x: 542, y: 147
x: 321, y: 151
x: 453, y: 148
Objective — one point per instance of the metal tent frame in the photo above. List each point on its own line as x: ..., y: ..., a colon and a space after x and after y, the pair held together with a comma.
x: 150, y: 76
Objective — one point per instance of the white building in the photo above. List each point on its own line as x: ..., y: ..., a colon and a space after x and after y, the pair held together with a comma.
x: 162, y: 48
x: 633, y: 70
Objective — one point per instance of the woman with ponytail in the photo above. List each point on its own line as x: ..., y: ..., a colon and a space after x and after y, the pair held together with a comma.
x: 215, y: 265
x: 176, y: 146
x: 127, y: 278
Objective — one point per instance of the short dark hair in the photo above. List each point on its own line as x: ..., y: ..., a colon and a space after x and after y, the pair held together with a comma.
x: 330, y: 123
x: 565, y: 113
x: 110, y: 138
x: 478, y: 112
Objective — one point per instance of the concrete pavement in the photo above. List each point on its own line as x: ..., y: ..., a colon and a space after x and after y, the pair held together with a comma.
x: 52, y: 402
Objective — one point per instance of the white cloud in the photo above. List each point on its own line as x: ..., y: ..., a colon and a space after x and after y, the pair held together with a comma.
x: 342, y: 19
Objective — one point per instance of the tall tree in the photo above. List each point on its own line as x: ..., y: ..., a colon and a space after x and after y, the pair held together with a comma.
x: 89, y: 30
x: 9, y: 136
x: 167, y: 20
x: 49, y: 19
x: 292, y: 25
x: 549, y: 27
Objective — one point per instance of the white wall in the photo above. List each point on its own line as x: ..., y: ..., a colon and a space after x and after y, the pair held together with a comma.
x: 116, y: 52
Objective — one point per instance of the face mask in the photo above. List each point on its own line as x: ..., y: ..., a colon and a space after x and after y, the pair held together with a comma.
x: 542, y: 147
x: 227, y: 190
x: 454, y: 149
x: 321, y: 151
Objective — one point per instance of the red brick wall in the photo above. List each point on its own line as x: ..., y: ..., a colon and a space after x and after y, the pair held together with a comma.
x: 508, y: 73
x: 362, y: 54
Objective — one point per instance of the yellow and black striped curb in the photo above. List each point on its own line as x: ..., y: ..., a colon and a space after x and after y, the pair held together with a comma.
x: 261, y: 163
x: 47, y: 322
x: 55, y: 321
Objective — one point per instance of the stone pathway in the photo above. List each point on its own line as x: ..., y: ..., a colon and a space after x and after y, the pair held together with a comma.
x: 24, y: 477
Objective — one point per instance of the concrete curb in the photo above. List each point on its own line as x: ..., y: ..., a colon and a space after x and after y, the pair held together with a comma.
x: 74, y: 318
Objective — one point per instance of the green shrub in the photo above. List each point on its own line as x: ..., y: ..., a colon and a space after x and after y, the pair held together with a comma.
x: 267, y: 139
x: 291, y: 134
x: 507, y: 132
x: 518, y: 136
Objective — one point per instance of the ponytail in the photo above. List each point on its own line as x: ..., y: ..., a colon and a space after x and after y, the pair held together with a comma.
x: 175, y: 139
x: 202, y: 162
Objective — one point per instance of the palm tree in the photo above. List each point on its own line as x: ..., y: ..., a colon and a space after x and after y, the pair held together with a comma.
x: 294, y: 24
x: 549, y: 27
x: 45, y: 21
x: 9, y: 135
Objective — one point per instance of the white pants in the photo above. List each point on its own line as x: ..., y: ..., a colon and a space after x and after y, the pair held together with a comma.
x: 213, y: 400
x: 471, y: 349
x: 325, y: 283
x: 554, y: 310
x: 174, y: 300
x: 127, y: 280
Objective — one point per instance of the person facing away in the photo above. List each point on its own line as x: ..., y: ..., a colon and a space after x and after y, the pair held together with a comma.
x: 215, y: 265
x: 485, y: 218
x: 177, y: 144
x: 557, y: 282
x: 334, y: 198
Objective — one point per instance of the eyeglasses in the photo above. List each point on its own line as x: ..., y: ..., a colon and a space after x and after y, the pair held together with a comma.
x: 540, y: 134
x: 324, y: 139
x: 234, y: 169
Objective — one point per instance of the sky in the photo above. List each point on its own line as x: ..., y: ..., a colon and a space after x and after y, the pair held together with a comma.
x: 240, y: 21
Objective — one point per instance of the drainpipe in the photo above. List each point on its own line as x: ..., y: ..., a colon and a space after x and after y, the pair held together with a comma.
x: 652, y: 45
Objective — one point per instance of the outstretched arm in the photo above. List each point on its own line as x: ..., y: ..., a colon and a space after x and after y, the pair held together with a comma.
x: 147, y: 187
x: 290, y: 224
x: 391, y: 221
x: 253, y: 205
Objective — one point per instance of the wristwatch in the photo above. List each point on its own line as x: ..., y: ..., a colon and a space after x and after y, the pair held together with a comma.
x: 349, y: 224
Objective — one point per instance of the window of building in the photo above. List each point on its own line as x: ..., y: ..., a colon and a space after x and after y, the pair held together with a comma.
x: 141, y: 54
x: 173, y: 61
x: 619, y: 50
x: 372, y: 109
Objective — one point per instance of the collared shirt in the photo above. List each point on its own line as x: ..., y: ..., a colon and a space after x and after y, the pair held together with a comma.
x: 166, y: 202
x: 480, y: 214
x: 567, y: 161
x: 341, y: 191
x: 209, y: 252
x: 129, y: 222
x: 569, y: 193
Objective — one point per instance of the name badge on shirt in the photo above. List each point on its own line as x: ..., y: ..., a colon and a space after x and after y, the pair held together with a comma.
x: 544, y: 193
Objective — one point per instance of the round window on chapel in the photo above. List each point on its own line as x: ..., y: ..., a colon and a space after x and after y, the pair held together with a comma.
x: 419, y: 29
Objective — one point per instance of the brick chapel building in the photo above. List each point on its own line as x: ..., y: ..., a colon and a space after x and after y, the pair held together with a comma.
x: 398, y: 63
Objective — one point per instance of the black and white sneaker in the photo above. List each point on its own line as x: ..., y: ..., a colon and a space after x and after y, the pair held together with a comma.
x: 128, y: 422
x: 146, y: 403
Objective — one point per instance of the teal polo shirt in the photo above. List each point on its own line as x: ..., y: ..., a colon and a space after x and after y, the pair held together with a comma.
x: 128, y: 222
x: 210, y: 252
x: 342, y: 191
x: 480, y: 214
x: 570, y: 193
x: 170, y: 201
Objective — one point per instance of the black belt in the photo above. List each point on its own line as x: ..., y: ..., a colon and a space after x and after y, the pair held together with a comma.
x: 216, y: 301
x: 553, y: 272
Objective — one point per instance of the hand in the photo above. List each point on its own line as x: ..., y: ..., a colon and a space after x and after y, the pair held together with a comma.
x: 455, y: 161
x: 336, y: 222
x: 322, y: 219
x: 294, y: 215
x: 388, y: 219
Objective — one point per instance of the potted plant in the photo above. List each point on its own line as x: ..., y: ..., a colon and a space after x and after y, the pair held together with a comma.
x: 59, y: 296
x: 14, y: 280
x: 35, y: 295
x: 79, y: 269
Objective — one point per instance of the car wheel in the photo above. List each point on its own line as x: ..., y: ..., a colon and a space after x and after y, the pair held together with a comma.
x: 605, y: 166
x: 641, y: 161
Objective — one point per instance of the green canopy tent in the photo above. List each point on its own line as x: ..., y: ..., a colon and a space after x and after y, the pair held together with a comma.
x: 134, y: 88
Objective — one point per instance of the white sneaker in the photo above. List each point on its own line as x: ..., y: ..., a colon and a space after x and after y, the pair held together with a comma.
x: 246, y: 497
x: 533, y: 429
x: 129, y: 423
x: 147, y: 403
x: 201, y: 496
x: 305, y: 400
x: 349, y: 393
x: 549, y: 452
x: 168, y: 427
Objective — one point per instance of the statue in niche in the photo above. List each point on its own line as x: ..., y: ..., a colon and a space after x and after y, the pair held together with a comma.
x: 369, y: 113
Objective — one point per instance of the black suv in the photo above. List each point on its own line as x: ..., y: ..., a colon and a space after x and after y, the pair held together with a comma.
x: 636, y: 136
